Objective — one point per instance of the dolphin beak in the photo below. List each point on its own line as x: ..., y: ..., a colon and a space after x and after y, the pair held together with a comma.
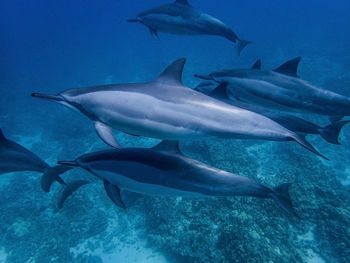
x: 48, y: 97
x: 68, y: 163
x: 132, y: 20
x: 206, y: 77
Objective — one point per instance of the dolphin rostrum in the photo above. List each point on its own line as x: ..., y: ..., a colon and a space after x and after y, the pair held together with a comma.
x: 330, y: 133
x: 164, y: 171
x: 281, y: 88
x: 166, y: 109
x: 181, y: 18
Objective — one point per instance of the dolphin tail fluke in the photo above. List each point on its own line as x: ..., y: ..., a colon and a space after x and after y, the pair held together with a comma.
x: 69, y: 189
x: 51, y: 175
x: 281, y: 196
x: 331, y: 132
x: 303, y: 142
x: 242, y: 44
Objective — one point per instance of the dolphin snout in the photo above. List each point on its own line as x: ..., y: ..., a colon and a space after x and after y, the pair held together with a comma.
x: 132, y: 20
x: 68, y: 163
x: 48, y: 96
x: 206, y: 77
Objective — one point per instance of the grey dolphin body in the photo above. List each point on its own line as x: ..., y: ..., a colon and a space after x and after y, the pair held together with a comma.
x: 164, y: 171
x: 181, y: 18
x: 281, y: 88
x: 16, y: 158
x: 330, y: 133
x: 166, y: 109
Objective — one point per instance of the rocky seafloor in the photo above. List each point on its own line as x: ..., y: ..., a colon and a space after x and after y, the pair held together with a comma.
x: 239, y: 229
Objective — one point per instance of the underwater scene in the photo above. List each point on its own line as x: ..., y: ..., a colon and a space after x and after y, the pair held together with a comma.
x: 174, y: 131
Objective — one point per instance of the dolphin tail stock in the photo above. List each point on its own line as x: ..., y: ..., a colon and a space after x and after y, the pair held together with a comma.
x: 241, y: 44
x: 48, y: 96
x: 281, y: 196
x: 303, y: 142
x: 52, y: 174
x: 331, y: 132
x: 68, y: 190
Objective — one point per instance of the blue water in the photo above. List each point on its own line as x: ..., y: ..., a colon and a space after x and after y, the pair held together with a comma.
x: 49, y: 46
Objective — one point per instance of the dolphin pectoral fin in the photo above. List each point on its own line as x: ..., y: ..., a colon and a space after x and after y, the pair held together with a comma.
x: 154, y: 33
x: 106, y: 134
x: 172, y: 74
x: 51, y: 175
x: 241, y: 44
x: 331, y: 132
x: 281, y: 196
x: 257, y: 64
x: 220, y: 92
x: 113, y: 193
x: 68, y: 190
x: 168, y: 146
x: 303, y: 142
x: 290, y: 67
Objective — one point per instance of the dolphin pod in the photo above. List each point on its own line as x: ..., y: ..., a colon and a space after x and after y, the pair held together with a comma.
x: 164, y: 171
x: 329, y: 133
x: 282, y: 89
x: 181, y: 18
x: 16, y: 158
x: 166, y: 109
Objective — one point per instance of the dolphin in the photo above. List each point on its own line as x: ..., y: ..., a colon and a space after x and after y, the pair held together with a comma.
x: 329, y: 133
x: 164, y: 171
x: 166, y: 109
x: 282, y: 89
x: 181, y: 18
x: 16, y: 158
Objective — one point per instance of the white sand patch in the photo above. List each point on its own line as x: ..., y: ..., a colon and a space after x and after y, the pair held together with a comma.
x: 313, y: 257
x: 308, y: 236
x: 125, y: 246
x: 3, y: 255
x: 21, y: 227
x: 130, y: 250
x: 346, y: 180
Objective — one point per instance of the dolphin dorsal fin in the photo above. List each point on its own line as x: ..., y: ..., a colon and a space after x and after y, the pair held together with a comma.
x: 183, y: 2
x: 173, y: 73
x: 257, y: 64
x: 168, y: 146
x: 290, y: 67
x: 220, y: 91
x: 2, y: 137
